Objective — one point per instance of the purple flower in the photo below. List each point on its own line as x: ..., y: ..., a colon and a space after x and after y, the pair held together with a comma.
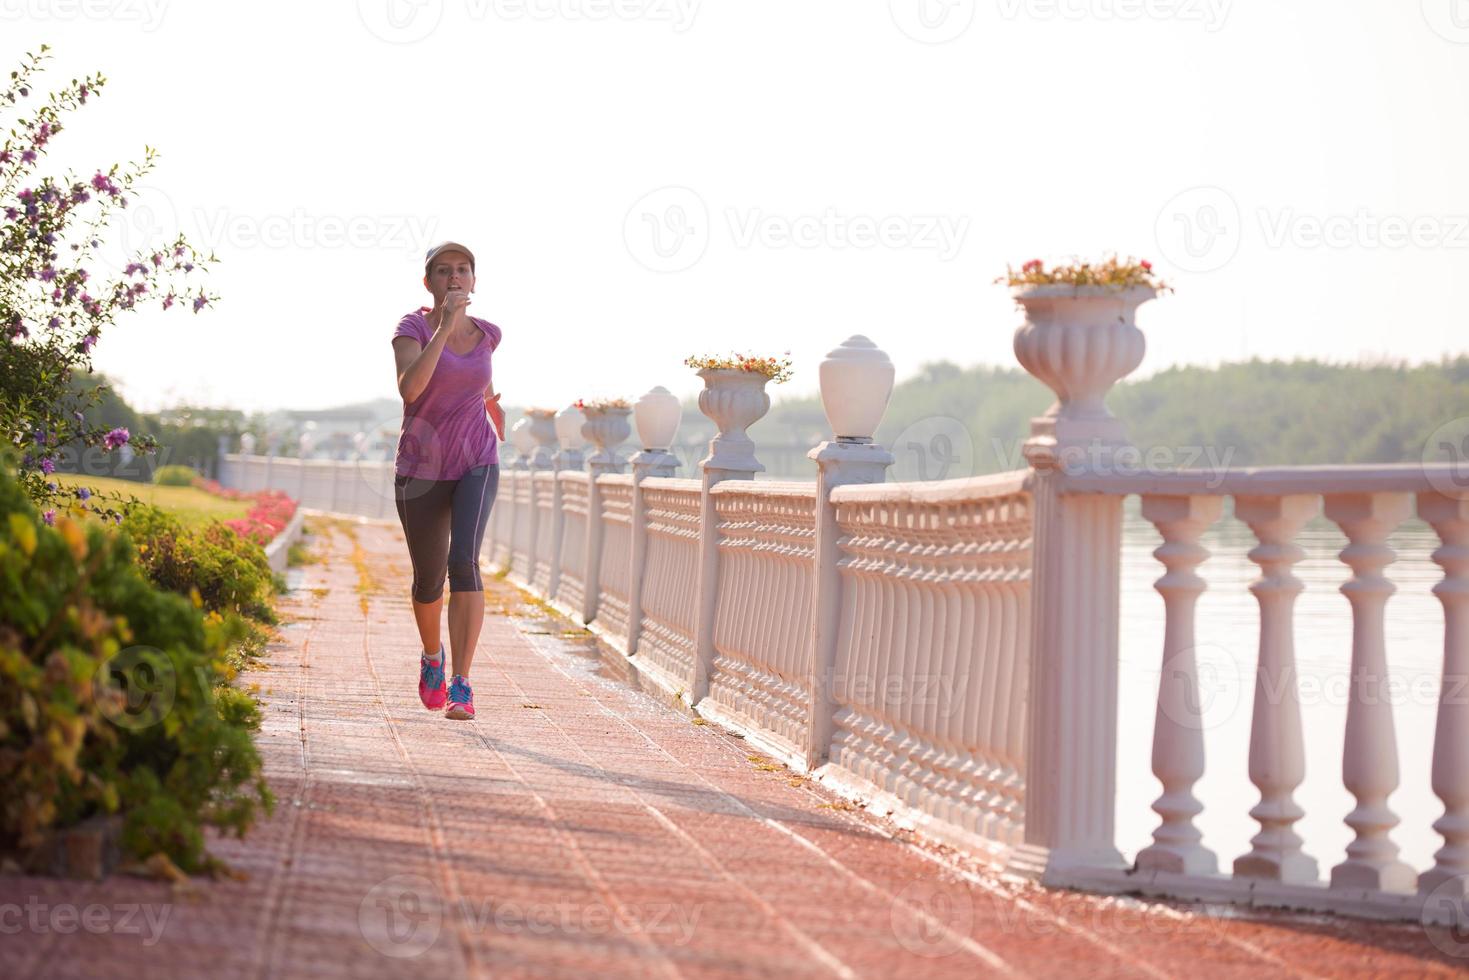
x: 51, y: 486
x: 47, y: 274
x: 199, y: 302
x: 29, y: 156
x: 48, y: 466
x: 117, y: 437
x: 54, y: 322
x: 87, y: 343
x: 49, y: 517
x: 11, y: 214
x: 84, y: 493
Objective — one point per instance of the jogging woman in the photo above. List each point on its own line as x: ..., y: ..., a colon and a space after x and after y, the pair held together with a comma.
x: 448, y: 468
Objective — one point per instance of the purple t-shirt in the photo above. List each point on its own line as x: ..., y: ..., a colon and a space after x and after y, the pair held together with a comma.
x: 446, y: 431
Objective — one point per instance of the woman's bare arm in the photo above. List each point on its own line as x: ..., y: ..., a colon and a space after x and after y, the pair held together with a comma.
x: 415, y: 362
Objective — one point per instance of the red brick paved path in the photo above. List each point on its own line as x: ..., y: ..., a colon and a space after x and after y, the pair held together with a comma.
x: 581, y: 828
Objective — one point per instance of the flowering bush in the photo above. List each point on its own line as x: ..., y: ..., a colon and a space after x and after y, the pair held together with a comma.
x: 601, y: 404
x: 114, y: 696
x: 777, y: 370
x: 273, y: 510
x: 1111, y: 271
x: 54, y: 299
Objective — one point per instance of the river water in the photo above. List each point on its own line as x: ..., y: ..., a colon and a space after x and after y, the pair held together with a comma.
x: 1227, y: 632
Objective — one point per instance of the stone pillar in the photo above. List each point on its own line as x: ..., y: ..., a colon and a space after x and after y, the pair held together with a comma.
x: 1079, y: 341
x: 607, y: 429
x: 657, y: 415
x: 734, y: 400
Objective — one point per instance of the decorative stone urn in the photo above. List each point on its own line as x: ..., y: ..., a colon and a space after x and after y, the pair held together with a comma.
x: 568, y: 433
x: 606, y: 428
x: 523, y: 441
x: 856, y: 383
x: 735, y: 400
x: 1079, y: 341
x: 543, y: 430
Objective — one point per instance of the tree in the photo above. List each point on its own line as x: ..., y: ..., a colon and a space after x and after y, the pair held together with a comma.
x: 55, y: 297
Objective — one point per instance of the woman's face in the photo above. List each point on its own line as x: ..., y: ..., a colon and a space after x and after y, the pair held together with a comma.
x: 450, y: 270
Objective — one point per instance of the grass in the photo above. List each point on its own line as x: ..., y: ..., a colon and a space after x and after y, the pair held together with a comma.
x: 192, y: 507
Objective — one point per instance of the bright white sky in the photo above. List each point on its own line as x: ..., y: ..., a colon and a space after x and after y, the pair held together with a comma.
x: 988, y: 131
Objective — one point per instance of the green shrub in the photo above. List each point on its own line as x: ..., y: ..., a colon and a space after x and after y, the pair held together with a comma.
x: 114, y: 695
x: 174, y: 476
x: 230, y: 574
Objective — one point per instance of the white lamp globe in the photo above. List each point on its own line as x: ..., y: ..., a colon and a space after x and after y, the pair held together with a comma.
x: 568, y: 428
x: 657, y: 414
x: 856, y: 383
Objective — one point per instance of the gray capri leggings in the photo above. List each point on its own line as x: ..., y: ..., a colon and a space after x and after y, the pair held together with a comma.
x: 444, y: 523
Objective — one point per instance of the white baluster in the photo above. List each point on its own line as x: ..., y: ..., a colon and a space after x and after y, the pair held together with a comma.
x: 1277, y: 747
x: 1178, y: 732
x: 1450, y: 518
x: 1370, y: 754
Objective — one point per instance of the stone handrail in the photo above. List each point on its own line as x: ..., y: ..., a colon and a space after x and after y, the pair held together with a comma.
x: 950, y: 649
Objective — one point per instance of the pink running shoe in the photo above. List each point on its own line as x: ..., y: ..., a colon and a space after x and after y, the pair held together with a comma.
x: 461, y: 699
x: 431, y: 690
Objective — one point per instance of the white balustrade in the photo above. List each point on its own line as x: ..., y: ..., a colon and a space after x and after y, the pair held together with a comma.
x: 762, y: 632
x: 1178, y: 731
x: 1449, y: 875
x: 950, y: 649
x: 1370, y: 754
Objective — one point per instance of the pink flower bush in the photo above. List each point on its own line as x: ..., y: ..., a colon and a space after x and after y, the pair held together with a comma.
x: 273, y: 510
